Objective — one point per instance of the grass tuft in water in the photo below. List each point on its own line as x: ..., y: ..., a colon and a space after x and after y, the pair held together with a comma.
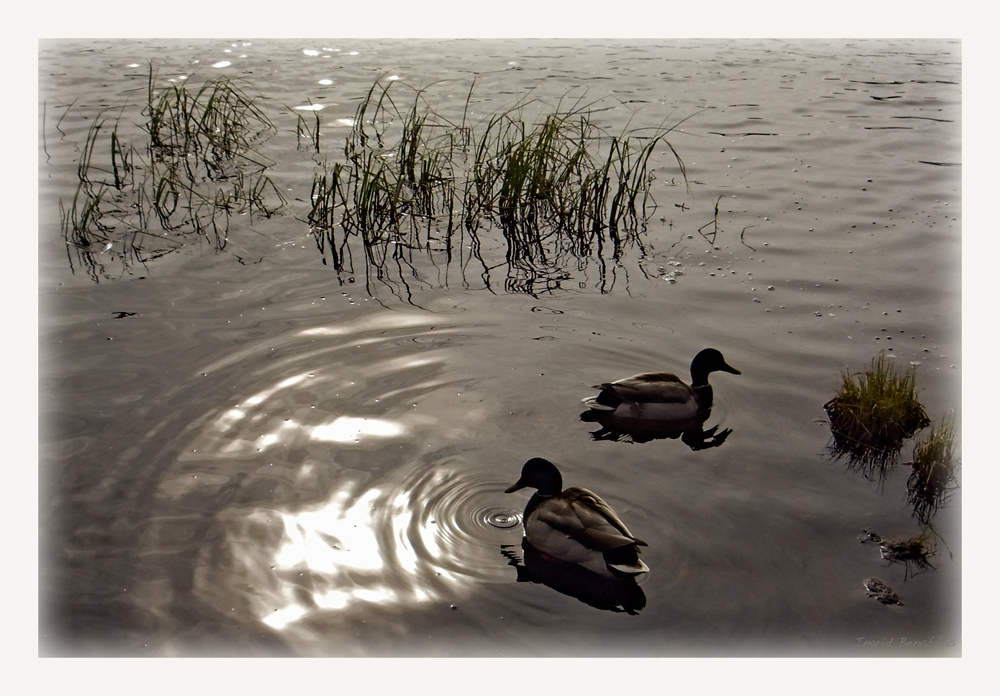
x: 935, y: 467
x: 916, y: 550
x: 215, y: 123
x: 197, y: 171
x: 873, y: 413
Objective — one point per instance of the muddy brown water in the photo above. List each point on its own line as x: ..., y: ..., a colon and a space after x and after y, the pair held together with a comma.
x: 247, y: 453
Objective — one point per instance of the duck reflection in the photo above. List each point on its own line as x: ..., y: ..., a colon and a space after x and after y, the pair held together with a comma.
x: 576, y: 544
x: 609, y: 594
x: 659, y: 405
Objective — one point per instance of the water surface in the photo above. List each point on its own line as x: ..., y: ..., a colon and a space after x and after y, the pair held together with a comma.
x: 246, y: 452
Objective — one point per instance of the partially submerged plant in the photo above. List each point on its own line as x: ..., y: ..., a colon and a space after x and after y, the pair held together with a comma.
x: 916, y: 550
x: 935, y: 466
x: 873, y: 413
x: 548, y: 195
x: 558, y: 189
x: 197, y: 170
x: 217, y: 122
x: 882, y: 592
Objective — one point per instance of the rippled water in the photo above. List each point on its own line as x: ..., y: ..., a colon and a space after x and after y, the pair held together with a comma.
x: 247, y: 453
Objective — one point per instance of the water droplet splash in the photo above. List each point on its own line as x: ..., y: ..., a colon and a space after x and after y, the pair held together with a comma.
x: 503, y: 519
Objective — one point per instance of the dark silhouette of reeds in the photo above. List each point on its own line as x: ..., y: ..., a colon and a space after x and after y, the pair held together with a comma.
x: 558, y: 191
x: 532, y: 201
x: 916, y: 551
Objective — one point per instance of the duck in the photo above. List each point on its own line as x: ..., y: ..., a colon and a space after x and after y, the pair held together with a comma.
x: 660, y: 396
x: 575, y: 525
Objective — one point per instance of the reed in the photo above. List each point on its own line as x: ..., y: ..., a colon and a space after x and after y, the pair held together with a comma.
x: 326, y: 187
x: 873, y: 413
x: 200, y: 169
x: 934, y: 471
x: 304, y: 131
x: 81, y: 223
x: 554, y: 188
x: 216, y: 122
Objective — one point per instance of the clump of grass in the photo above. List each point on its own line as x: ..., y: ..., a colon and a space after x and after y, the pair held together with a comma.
x: 933, y: 476
x: 554, y: 175
x: 216, y: 122
x: 561, y: 190
x: 555, y: 188
x: 873, y: 413
x: 916, y: 550
x: 197, y: 170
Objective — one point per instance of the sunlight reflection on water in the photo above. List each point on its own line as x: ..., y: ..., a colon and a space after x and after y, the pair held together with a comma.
x: 350, y: 536
x: 414, y: 539
x: 346, y: 429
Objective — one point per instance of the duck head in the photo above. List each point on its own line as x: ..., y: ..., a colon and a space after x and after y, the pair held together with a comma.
x: 540, y: 474
x: 707, y: 361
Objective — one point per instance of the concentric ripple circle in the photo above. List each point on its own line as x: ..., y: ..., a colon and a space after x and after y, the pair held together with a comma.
x: 502, y: 519
x: 446, y: 516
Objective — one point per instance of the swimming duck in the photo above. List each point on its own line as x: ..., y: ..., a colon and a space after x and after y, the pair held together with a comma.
x: 575, y: 525
x: 660, y: 396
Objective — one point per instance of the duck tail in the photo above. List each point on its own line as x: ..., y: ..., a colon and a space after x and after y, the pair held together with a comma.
x: 637, y: 568
x: 625, y: 559
x: 607, y: 400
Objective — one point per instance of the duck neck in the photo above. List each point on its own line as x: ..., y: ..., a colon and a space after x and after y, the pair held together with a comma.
x: 704, y: 395
x: 699, y: 377
x: 533, y: 502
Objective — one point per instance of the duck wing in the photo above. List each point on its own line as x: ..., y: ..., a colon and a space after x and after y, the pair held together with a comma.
x: 649, y: 387
x: 584, y: 517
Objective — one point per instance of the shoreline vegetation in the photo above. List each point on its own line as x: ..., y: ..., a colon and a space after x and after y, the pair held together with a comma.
x: 535, y: 198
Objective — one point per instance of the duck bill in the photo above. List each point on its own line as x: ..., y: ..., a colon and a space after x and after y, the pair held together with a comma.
x: 729, y: 368
x: 516, y: 487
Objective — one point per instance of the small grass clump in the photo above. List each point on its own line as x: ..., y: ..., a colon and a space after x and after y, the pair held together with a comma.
x: 916, y: 550
x: 214, y: 123
x: 873, y: 413
x: 197, y: 170
x: 935, y: 466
